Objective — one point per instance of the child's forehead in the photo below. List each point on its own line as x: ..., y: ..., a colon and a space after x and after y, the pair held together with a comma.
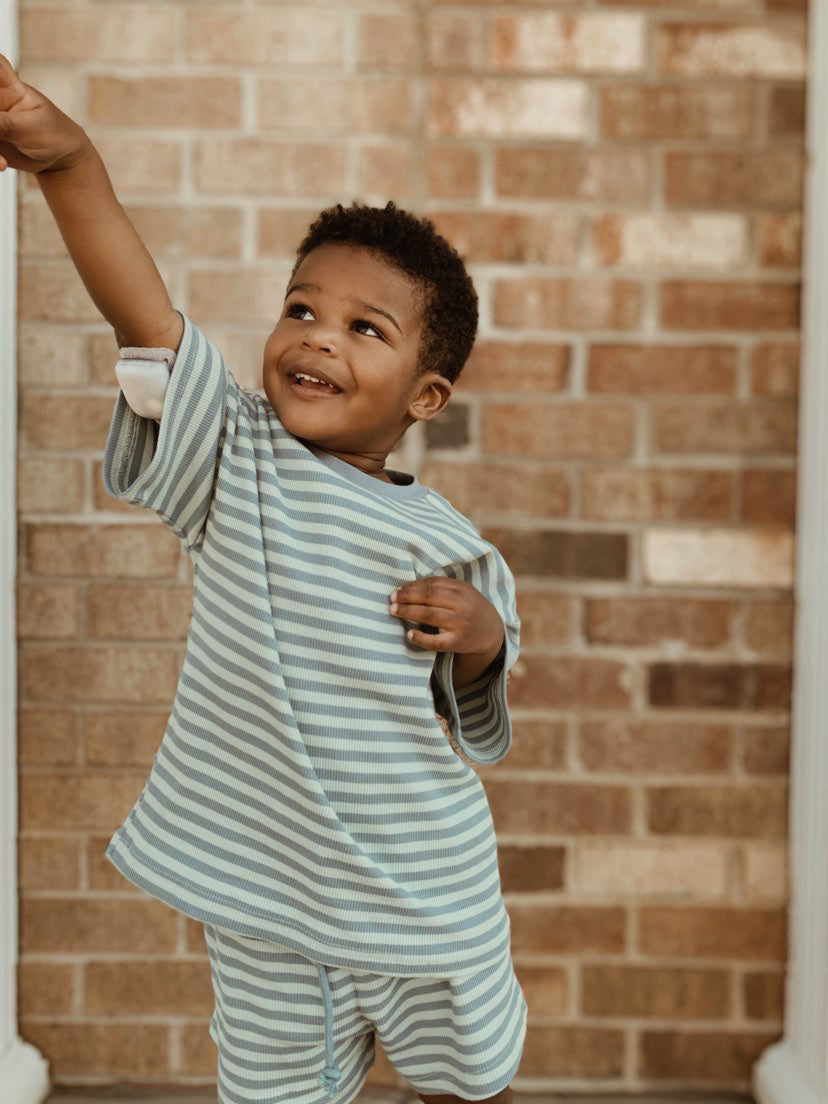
x: 352, y: 271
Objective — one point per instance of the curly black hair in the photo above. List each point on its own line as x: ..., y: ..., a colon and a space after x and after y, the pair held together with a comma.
x: 414, y: 246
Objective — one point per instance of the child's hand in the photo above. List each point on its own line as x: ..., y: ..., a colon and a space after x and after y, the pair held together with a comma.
x: 34, y: 134
x: 468, y: 623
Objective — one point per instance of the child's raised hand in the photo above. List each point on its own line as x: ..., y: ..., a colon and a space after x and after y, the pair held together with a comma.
x: 34, y: 134
x: 467, y: 622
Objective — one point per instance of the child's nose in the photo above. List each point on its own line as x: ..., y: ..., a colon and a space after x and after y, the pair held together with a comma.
x: 319, y: 336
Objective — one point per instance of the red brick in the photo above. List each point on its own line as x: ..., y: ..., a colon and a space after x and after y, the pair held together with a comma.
x: 198, y: 102
x: 386, y: 40
x: 189, y: 232
x: 131, y: 551
x: 48, y: 862
x: 45, y: 988
x: 198, y: 1054
x: 744, y: 427
x: 660, y: 992
x: 699, y: 1056
x: 487, y: 487
x: 453, y: 172
x: 148, y: 988
x: 149, y: 167
x: 99, y: 674
x: 779, y: 240
x: 111, y: 609
x: 260, y: 166
x: 662, y: 369
x: 121, y: 739
x: 486, y: 236
x: 562, y: 430
x: 562, y: 303
x: 583, y: 1052
x: 48, y: 356
x: 712, y: 111
x: 601, y: 176
x: 744, y: 179
x: 686, y: 305
x: 65, y: 421
x: 83, y: 924
x: 591, y: 42
x: 546, y: 989
x: 294, y: 36
x: 763, y: 994
x: 237, y: 295
x: 456, y: 40
x: 112, y: 33
x: 654, y: 494
x: 46, y: 737
x: 50, y: 486
x: 695, y: 622
x: 774, y: 368
x: 786, y: 112
x: 47, y: 611
x: 547, y: 617
x: 558, y: 808
x: 72, y: 802
x: 100, y: 873
x: 769, y: 496
x: 769, y: 626
x: 561, y: 682
x: 545, y: 928
x: 527, y: 107
x: 723, y: 932
x: 516, y: 366
x: 653, y: 747
x: 53, y: 292
x: 84, y: 1049
x: 352, y: 105
x: 528, y: 869
x: 387, y: 171
x: 536, y: 745
x: 750, y: 812
x: 775, y: 49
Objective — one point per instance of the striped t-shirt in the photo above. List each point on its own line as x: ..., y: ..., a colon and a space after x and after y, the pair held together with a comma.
x: 304, y: 790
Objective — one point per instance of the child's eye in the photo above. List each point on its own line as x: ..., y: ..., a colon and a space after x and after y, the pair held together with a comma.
x: 362, y: 325
x: 298, y: 310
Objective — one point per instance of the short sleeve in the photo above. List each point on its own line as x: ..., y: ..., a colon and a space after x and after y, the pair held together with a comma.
x: 171, y: 468
x: 478, y: 714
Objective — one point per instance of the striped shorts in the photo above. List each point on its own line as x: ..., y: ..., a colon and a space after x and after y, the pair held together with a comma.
x: 289, y: 1029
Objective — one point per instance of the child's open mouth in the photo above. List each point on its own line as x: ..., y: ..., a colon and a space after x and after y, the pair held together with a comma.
x: 309, y: 386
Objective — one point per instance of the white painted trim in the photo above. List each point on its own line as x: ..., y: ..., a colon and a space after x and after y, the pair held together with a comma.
x: 795, y: 1069
x: 24, y: 1073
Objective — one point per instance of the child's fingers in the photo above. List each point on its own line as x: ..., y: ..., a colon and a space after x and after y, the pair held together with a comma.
x: 409, y: 612
x: 432, y: 642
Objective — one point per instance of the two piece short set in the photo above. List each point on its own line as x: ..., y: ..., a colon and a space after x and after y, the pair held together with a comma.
x: 292, y: 1030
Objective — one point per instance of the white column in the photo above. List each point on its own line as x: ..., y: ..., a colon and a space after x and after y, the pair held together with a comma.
x: 795, y: 1069
x: 24, y: 1075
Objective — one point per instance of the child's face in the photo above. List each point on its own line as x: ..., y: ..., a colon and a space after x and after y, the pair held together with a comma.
x: 354, y: 320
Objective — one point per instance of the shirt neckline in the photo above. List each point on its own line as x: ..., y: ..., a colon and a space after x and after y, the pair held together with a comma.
x: 410, y: 489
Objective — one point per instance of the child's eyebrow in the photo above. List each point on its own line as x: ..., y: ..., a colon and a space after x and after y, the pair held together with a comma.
x: 360, y: 302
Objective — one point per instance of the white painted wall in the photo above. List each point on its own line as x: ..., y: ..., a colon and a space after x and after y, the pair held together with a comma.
x: 24, y: 1075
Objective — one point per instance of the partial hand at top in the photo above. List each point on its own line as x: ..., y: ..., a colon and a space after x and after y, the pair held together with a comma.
x: 35, y: 135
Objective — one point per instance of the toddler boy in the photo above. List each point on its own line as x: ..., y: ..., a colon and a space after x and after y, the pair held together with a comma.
x: 304, y: 803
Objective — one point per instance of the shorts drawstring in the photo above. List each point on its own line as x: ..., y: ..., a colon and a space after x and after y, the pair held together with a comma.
x: 331, y: 1073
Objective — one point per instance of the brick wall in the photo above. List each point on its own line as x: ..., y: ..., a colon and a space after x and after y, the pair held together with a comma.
x: 626, y: 182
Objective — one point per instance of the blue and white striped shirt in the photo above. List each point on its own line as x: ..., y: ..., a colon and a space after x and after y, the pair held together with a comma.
x: 305, y: 791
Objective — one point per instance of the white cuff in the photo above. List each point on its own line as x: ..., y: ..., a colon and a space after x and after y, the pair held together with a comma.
x: 144, y: 375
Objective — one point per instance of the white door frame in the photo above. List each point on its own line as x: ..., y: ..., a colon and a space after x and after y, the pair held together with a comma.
x: 24, y: 1073
x: 795, y: 1069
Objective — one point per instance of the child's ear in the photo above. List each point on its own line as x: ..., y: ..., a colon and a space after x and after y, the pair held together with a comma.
x: 433, y: 392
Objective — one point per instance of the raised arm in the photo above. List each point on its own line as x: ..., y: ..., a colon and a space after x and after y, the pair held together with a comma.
x: 112, y: 261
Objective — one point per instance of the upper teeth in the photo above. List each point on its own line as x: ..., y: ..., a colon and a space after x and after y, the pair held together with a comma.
x: 313, y: 379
